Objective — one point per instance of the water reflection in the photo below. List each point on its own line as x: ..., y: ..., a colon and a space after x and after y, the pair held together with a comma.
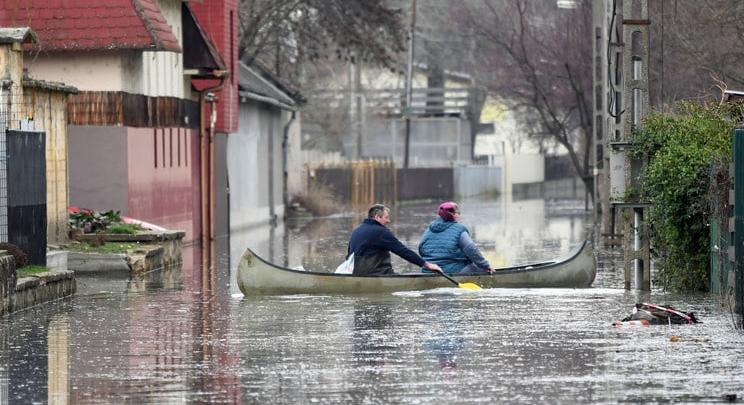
x: 372, y: 325
x: 446, y: 339
x: 509, y: 233
x: 181, y: 337
x: 59, y: 359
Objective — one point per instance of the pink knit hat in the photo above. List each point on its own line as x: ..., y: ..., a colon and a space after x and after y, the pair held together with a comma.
x: 447, y: 210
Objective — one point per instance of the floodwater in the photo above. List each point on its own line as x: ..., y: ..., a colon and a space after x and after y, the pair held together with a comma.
x: 183, y: 336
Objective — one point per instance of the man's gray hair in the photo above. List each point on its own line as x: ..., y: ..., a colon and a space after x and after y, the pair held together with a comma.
x: 377, y: 209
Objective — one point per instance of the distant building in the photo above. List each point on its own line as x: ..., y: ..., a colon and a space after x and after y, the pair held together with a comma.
x: 264, y: 168
x: 149, y: 75
x: 363, y: 112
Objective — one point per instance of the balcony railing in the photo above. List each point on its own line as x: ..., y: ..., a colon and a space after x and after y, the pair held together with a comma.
x: 392, y: 102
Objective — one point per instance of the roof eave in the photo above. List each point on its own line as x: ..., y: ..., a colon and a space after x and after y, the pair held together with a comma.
x: 268, y: 100
x: 21, y: 35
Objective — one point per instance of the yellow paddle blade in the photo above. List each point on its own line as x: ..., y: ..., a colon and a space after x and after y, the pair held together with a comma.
x: 469, y: 286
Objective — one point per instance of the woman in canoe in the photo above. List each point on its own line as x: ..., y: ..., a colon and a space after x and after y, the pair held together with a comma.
x: 447, y: 242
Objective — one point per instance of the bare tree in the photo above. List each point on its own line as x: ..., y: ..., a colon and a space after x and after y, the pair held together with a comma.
x: 695, y: 47
x: 284, y: 34
x: 537, y: 58
x: 445, y: 43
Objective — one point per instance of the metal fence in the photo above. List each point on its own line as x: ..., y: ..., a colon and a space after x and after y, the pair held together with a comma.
x: 356, y: 183
x: 362, y: 183
x: 10, y: 99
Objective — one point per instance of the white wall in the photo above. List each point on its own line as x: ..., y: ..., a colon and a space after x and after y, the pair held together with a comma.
x: 248, y: 166
x: 148, y: 73
x: 162, y: 72
x: 89, y: 71
x: 526, y: 168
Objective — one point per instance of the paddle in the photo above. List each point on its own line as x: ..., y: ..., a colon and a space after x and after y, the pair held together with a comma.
x: 467, y: 286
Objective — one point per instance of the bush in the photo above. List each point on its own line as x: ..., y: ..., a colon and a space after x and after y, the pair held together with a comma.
x: 21, y: 260
x: 682, y: 149
x: 90, y: 221
x: 320, y: 200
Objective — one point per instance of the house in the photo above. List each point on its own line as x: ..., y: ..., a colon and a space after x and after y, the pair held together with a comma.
x: 154, y: 97
x: 33, y: 138
x: 362, y: 110
x: 260, y: 157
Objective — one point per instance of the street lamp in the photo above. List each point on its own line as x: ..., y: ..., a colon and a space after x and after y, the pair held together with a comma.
x: 409, y: 83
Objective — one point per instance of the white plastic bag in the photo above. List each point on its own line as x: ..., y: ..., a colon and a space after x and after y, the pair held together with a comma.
x: 347, y: 267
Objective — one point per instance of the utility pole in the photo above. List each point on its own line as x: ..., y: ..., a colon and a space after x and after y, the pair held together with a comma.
x: 607, y: 86
x: 632, y: 105
x: 407, y: 111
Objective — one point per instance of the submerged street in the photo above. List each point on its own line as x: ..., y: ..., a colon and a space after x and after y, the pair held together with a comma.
x: 147, y: 145
x: 166, y: 340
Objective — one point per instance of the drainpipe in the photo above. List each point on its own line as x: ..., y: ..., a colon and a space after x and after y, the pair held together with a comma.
x: 285, y: 154
x: 207, y: 152
x: 270, y: 141
x: 212, y: 197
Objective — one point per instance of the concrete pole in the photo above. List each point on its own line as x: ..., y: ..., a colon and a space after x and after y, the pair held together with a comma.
x: 635, y: 83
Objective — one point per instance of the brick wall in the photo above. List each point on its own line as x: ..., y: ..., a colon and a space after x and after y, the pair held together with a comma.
x: 219, y: 18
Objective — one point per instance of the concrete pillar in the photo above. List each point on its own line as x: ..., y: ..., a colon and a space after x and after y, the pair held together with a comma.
x: 636, y: 96
x: 11, y: 101
x: 607, y: 102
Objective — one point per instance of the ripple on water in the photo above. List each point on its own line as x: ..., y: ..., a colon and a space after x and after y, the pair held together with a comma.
x: 446, y: 345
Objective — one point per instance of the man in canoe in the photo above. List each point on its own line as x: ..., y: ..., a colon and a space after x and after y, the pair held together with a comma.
x: 372, y: 241
x: 447, y: 243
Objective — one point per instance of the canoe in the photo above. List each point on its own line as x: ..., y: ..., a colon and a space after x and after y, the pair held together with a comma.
x: 257, y: 276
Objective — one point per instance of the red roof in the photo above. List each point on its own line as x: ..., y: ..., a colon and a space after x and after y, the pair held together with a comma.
x: 88, y: 25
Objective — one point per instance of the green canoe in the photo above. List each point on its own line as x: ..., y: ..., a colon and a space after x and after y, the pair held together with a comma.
x: 256, y: 276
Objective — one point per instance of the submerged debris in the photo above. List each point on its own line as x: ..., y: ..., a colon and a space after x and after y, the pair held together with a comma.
x: 651, y: 314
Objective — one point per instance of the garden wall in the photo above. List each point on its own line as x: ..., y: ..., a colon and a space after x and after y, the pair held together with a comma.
x: 7, y: 280
x: 18, y: 294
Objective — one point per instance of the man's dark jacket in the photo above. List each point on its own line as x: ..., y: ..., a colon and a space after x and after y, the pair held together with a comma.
x: 371, y: 242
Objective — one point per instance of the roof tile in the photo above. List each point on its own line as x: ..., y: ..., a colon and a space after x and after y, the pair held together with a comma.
x: 90, y: 24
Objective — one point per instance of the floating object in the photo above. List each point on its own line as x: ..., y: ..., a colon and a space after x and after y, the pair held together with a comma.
x: 640, y: 322
x: 258, y: 276
x: 659, y: 315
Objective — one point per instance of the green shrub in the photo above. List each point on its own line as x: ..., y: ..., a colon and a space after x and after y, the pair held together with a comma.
x: 682, y: 148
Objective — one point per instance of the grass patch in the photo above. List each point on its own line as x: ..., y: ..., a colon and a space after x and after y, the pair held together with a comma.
x: 31, y: 270
x: 125, y: 229
x: 109, y: 247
